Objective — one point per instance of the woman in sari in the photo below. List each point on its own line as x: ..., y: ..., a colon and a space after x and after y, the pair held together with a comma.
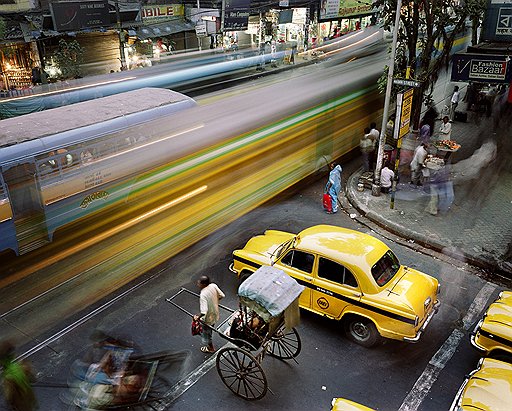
x: 333, y: 186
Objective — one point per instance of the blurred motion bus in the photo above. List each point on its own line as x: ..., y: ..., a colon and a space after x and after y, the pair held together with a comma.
x: 196, y: 169
x: 49, y: 159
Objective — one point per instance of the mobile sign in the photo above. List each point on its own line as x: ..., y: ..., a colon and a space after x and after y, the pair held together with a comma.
x: 481, y: 68
x: 403, y: 108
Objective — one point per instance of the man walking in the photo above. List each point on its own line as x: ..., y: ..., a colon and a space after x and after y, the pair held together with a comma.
x: 454, y: 102
x: 209, y: 310
x: 417, y: 163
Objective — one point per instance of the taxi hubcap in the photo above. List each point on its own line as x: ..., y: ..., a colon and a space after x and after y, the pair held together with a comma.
x: 360, y: 330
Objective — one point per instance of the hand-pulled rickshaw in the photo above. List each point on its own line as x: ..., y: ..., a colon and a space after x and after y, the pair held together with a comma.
x: 143, y: 380
x: 263, y: 324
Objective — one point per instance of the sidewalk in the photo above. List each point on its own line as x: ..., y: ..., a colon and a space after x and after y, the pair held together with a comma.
x: 478, y: 226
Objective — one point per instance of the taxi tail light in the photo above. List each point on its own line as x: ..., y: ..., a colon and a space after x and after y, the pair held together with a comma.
x: 416, y: 321
x: 438, y: 289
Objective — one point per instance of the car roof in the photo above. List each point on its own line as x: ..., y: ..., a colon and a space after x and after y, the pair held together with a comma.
x: 349, y: 246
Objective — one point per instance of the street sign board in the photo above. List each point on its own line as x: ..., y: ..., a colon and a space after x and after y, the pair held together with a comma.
x: 481, y: 68
x: 504, y: 21
x: 404, y: 109
x: 403, y: 82
x: 79, y: 15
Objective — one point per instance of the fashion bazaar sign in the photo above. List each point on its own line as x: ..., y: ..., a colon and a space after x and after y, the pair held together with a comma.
x: 331, y: 9
x: 481, y: 68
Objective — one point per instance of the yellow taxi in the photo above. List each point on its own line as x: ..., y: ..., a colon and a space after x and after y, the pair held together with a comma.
x: 492, y: 335
x: 487, y: 388
x: 348, y: 276
x: 341, y: 404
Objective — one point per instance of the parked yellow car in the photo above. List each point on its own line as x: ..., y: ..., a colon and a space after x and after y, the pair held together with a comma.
x: 487, y: 388
x: 348, y: 275
x: 492, y: 335
x: 341, y: 404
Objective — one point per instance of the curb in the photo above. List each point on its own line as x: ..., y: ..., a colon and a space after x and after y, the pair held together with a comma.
x: 408, y: 234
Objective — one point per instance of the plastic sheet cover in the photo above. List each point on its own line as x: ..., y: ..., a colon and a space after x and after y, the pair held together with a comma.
x: 271, y: 289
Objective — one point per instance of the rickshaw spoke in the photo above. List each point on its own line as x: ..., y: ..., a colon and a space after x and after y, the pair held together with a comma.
x: 241, y: 373
x: 285, y: 345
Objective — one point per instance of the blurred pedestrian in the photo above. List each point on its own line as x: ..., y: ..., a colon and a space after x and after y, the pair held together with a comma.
x: 366, y: 144
x: 425, y: 132
x: 445, y: 131
x: 454, y: 102
x: 418, y: 163
x: 376, y: 137
x: 333, y: 186
x: 209, y: 310
x: 16, y: 380
x: 386, y: 178
x: 441, y: 191
x: 430, y: 118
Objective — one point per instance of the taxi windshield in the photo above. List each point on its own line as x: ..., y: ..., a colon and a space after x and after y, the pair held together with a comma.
x: 283, y: 248
x: 386, y: 268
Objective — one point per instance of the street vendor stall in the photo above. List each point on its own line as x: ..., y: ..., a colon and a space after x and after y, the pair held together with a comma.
x: 445, y: 148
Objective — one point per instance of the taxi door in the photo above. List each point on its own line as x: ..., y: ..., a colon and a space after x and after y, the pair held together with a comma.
x: 334, y: 288
x: 299, y: 265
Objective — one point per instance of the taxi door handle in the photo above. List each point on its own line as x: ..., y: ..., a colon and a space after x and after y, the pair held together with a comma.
x: 308, y: 279
x: 356, y: 295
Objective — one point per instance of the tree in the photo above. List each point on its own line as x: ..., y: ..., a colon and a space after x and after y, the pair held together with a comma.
x: 425, y: 38
x: 68, y: 58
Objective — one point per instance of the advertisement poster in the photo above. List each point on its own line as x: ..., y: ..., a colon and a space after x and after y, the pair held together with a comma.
x: 236, y: 14
x: 332, y: 9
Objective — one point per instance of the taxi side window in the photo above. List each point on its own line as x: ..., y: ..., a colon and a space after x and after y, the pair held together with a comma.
x: 299, y: 260
x: 335, y: 272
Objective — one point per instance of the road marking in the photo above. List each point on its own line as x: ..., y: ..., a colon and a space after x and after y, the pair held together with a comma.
x: 429, y: 376
x: 180, y: 387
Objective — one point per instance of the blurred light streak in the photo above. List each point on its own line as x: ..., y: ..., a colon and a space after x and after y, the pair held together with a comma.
x: 349, y: 46
x: 115, y: 230
x: 69, y: 89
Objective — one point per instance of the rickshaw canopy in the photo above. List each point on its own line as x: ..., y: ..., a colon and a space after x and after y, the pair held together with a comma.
x: 270, y: 292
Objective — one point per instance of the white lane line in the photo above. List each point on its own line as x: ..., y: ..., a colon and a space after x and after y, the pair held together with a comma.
x: 443, y: 355
x: 179, y: 388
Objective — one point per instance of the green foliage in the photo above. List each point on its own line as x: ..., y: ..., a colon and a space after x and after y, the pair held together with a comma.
x: 426, y: 25
x: 68, y: 58
x: 2, y: 28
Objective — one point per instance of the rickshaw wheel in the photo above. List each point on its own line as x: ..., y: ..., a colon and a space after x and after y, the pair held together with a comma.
x: 285, y: 344
x: 241, y: 373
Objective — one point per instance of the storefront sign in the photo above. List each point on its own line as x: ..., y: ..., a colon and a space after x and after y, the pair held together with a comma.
x: 332, y: 9
x: 236, y: 14
x: 76, y: 15
x: 403, y: 108
x: 481, y: 68
x: 497, y: 25
x: 162, y: 12
x: 201, y: 29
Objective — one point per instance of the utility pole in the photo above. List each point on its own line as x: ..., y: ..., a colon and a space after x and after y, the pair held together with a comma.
x: 385, y: 114
x: 121, y: 37
x: 198, y: 38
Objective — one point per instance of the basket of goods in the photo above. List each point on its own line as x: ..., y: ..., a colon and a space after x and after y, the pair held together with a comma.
x: 434, y: 163
x: 447, y: 145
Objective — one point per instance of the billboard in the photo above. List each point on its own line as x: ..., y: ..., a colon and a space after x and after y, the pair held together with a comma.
x: 79, y: 15
x: 497, y: 24
x: 481, y: 68
x: 236, y: 14
x: 332, y: 9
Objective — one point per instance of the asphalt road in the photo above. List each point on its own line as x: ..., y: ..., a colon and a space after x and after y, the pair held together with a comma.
x: 395, y: 375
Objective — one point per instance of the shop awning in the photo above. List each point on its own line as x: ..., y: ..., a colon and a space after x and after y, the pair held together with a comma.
x: 164, y: 29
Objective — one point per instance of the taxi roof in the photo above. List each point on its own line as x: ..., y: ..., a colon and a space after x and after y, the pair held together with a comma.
x: 349, y: 246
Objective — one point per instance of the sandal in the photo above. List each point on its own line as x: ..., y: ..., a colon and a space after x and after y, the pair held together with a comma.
x: 205, y: 349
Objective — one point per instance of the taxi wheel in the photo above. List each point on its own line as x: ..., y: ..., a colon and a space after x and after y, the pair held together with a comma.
x: 244, y: 275
x: 362, y: 331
